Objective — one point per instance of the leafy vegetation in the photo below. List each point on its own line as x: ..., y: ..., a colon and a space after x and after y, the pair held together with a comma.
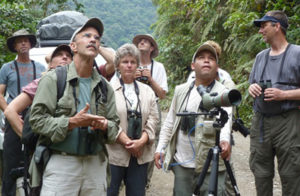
x: 122, y: 19
x: 183, y: 25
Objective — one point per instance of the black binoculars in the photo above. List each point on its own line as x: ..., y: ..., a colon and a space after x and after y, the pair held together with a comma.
x: 134, y: 129
x: 264, y: 84
x: 187, y: 122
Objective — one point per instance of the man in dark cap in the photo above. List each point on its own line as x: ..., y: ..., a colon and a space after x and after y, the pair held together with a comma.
x: 275, y: 87
x: 13, y: 76
x: 79, y: 124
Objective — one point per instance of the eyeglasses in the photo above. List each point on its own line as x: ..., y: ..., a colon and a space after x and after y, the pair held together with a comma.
x: 89, y: 35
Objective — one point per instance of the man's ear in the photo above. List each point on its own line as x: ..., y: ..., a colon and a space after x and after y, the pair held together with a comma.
x: 73, y: 47
x: 193, y: 66
x: 151, y: 49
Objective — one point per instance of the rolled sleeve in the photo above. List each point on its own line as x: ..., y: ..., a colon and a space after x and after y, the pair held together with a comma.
x: 226, y: 130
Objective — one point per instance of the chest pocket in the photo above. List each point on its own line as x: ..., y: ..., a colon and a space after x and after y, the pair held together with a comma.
x: 65, y: 106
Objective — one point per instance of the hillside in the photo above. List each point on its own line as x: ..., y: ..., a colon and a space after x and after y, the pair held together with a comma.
x: 122, y: 18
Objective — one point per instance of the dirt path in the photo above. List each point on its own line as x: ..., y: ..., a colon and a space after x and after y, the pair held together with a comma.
x: 162, y: 182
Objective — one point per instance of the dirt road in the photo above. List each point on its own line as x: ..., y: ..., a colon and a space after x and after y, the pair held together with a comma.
x: 162, y: 183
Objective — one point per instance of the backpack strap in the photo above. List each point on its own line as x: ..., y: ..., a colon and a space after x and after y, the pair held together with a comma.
x: 61, y: 74
x: 102, y: 85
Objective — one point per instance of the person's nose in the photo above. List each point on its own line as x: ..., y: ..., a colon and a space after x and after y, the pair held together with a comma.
x: 260, y: 30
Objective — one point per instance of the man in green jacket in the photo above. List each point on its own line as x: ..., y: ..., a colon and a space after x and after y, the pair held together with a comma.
x: 179, y: 148
x: 78, y: 125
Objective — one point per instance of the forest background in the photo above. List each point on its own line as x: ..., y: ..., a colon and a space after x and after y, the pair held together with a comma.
x: 179, y: 27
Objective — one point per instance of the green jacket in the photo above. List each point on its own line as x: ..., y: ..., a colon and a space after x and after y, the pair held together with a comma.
x: 50, y: 117
x: 204, y: 135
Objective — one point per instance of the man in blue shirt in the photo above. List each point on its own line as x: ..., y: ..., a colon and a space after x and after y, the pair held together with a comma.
x: 13, y: 76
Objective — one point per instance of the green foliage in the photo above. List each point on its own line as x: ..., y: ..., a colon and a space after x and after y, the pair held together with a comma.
x: 183, y: 25
x: 122, y: 19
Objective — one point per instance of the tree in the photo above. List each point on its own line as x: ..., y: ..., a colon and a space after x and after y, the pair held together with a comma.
x: 183, y: 25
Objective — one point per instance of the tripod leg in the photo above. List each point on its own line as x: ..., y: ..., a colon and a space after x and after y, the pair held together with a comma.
x: 232, y: 179
x: 213, y: 180
x: 203, y: 172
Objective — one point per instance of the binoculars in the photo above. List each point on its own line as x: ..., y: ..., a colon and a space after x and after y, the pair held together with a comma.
x: 187, y: 122
x: 134, y: 129
x: 264, y: 84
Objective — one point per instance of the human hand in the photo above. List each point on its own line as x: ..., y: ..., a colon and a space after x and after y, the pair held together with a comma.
x: 254, y: 90
x: 159, y: 159
x: 226, y: 150
x: 274, y: 94
x: 138, y: 73
x: 135, y: 147
x: 84, y: 119
x: 99, y: 124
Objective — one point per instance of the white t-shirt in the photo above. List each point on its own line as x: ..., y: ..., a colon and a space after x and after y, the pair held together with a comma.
x: 131, y: 96
x: 159, y: 74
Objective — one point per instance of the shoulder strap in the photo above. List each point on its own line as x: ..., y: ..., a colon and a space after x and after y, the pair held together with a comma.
x: 61, y: 74
x: 103, y: 88
x: 152, y: 64
x: 18, y: 76
x: 34, y: 70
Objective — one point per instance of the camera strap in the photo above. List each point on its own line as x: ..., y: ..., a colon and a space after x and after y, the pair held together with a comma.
x: 187, y: 96
x: 137, y: 92
x: 151, y: 69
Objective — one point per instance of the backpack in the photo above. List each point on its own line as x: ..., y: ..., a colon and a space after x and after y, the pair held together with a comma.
x: 29, y: 138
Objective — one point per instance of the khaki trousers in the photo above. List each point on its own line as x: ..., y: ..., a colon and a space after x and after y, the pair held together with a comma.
x: 74, y: 176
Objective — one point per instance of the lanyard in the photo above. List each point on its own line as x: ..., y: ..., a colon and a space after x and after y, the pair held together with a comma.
x: 136, y: 88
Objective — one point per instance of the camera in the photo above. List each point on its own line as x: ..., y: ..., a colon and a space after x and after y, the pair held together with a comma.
x: 238, y: 125
x: 264, y: 84
x: 143, y: 79
x: 16, y: 173
x: 134, y: 129
x: 188, y: 121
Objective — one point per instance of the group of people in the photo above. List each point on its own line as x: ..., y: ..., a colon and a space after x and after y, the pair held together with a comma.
x: 102, y: 135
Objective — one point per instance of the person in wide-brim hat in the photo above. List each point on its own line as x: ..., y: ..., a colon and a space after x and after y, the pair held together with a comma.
x: 21, y: 33
x: 136, y: 40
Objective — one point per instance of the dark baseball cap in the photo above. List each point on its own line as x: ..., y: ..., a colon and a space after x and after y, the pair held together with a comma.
x: 62, y: 47
x: 266, y: 18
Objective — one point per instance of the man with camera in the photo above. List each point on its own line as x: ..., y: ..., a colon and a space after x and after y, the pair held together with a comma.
x: 177, y: 139
x: 275, y: 87
x: 78, y: 125
x: 153, y: 73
